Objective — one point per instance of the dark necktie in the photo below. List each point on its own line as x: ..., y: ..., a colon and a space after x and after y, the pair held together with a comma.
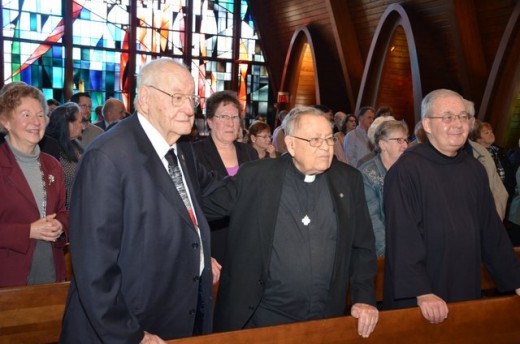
x: 175, y: 173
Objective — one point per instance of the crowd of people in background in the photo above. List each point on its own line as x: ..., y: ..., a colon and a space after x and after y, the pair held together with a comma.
x: 285, y: 217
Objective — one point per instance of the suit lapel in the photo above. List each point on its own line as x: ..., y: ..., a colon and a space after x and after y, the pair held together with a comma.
x: 191, y: 188
x: 154, y: 166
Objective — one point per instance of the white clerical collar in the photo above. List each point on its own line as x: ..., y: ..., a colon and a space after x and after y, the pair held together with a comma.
x: 309, y: 178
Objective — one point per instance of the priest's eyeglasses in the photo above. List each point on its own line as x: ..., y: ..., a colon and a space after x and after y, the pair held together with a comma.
x: 178, y: 98
x: 318, y: 141
x: 450, y: 117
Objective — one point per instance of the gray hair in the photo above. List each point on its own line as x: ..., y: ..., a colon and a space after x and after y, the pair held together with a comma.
x: 430, y: 98
x: 293, y: 118
x: 373, y: 127
x: 385, y: 129
x: 470, y: 107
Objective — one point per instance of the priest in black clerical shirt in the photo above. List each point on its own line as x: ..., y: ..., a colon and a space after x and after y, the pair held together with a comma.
x: 300, y: 235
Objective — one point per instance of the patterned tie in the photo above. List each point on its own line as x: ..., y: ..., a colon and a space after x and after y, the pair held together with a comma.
x: 175, y: 173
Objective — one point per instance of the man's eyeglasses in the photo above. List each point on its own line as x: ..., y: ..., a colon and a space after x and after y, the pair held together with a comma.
x: 318, y: 141
x: 399, y: 140
x: 178, y: 98
x: 264, y: 136
x: 228, y: 118
x: 449, y: 117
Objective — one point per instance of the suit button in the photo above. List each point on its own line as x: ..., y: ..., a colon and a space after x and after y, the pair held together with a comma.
x: 251, y: 307
x: 195, y: 245
x: 192, y: 312
x: 196, y: 278
x: 260, y: 282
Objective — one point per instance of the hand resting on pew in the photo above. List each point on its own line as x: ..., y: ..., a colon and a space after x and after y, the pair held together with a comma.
x: 367, y: 316
x: 433, y: 308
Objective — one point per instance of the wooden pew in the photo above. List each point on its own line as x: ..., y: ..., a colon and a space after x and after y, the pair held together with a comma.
x: 32, y: 314
x: 486, y: 281
x: 494, y: 320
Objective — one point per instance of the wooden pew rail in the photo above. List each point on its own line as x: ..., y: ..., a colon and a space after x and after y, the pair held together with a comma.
x: 33, y: 314
x: 494, y: 320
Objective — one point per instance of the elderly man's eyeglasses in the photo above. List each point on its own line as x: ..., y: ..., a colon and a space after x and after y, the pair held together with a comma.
x: 450, y: 117
x: 178, y: 98
x: 318, y: 141
x: 399, y: 140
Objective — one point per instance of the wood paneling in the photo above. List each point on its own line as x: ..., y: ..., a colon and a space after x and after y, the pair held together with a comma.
x: 395, y: 88
x: 456, y: 41
x: 305, y: 89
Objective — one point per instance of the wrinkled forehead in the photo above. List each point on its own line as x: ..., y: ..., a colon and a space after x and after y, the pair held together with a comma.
x: 314, y: 125
x: 448, y: 104
x: 178, y: 77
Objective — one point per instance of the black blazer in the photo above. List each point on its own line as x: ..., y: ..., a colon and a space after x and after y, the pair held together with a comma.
x: 251, y: 200
x: 207, y: 154
x: 134, y: 248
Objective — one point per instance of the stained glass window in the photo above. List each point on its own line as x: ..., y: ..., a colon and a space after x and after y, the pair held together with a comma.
x: 98, y: 36
x: 213, y: 42
x: 34, y: 50
x: 161, y: 26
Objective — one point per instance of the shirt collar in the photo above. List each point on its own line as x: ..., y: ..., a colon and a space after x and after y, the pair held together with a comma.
x: 158, y: 142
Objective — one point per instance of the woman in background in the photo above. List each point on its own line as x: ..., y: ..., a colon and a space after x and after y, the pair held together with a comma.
x: 350, y: 123
x: 33, y: 223
x: 483, y: 133
x: 65, y: 127
x: 222, y: 154
x: 260, y: 138
x: 390, y: 141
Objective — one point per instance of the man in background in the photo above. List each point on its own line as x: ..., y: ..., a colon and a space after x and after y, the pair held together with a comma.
x: 356, y: 144
x: 90, y: 131
x: 113, y: 111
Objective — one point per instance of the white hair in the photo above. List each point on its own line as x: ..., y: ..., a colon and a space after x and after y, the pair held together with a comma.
x: 373, y: 127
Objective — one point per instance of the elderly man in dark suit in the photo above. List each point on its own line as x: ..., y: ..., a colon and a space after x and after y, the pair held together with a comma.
x: 113, y: 111
x: 299, y: 235
x: 140, y: 242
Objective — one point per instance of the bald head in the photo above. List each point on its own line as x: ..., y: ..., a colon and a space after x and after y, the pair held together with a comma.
x: 339, y: 119
x: 113, y: 110
x: 166, y: 98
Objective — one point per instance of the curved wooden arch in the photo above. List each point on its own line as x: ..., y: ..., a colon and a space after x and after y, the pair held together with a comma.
x: 349, y: 53
x: 299, y: 76
x: 503, y: 85
x: 394, y: 17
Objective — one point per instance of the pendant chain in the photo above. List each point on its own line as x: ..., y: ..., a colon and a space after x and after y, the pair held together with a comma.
x: 44, y: 192
x: 306, y: 202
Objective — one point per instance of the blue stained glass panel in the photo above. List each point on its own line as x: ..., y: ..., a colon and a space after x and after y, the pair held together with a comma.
x: 32, y: 32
